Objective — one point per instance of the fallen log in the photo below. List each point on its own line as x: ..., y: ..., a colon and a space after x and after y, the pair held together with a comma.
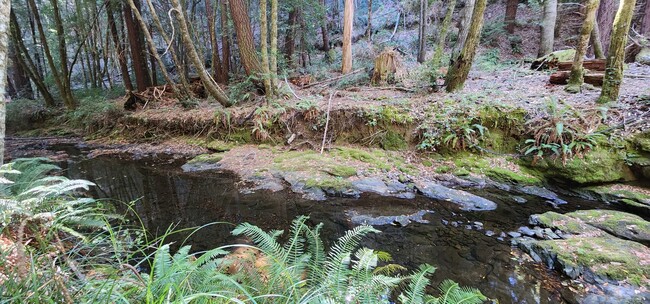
x: 592, y: 65
x: 562, y: 77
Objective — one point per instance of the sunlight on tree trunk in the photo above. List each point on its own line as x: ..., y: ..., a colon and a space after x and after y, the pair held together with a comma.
x: 605, y: 20
x: 616, y: 54
x: 369, y: 27
x: 459, y: 68
x: 348, y: 18
x: 5, y: 8
x: 548, y: 28
x: 210, y: 85
x: 577, y: 71
x: 124, y: 69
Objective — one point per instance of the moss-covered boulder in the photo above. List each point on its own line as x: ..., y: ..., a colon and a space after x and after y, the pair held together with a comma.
x: 620, y: 224
x: 566, y: 224
x: 633, y: 198
x: 601, y: 165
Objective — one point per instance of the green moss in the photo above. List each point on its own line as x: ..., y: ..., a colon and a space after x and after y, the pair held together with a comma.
x: 461, y: 172
x: 642, y: 141
x: 427, y: 163
x: 342, y: 171
x: 387, y: 115
x: 376, y: 158
x: 600, y: 165
x: 615, y: 222
x: 207, y: 158
x: 501, y: 174
x: 603, y: 256
x: 443, y: 169
x: 567, y: 224
x: 333, y: 183
x: 240, y: 136
x: 409, y: 169
x: 393, y: 141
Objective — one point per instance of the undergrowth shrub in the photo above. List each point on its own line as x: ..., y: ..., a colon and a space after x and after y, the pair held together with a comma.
x: 25, y: 114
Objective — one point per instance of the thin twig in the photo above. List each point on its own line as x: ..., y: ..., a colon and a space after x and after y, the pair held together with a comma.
x: 327, y: 121
x: 290, y: 89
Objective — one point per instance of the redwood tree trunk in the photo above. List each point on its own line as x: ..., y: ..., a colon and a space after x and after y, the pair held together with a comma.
x: 577, y: 71
x: 422, y: 34
x: 511, y: 15
x: 616, y: 55
x: 645, y: 22
x: 138, y: 53
x: 21, y: 86
x: 247, y: 51
x: 216, y: 60
x: 225, y: 42
x: 348, y: 18
x: 459, y: 69
x: 289, y: 36
x: 606, y: 13
x: 548, y: 28
x: 5, y: 9
x: 124, y: 69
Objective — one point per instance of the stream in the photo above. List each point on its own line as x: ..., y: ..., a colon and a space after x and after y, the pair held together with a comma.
x: 467, y: 247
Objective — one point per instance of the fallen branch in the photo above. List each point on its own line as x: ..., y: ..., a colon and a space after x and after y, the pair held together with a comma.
x: 290, y: 89
x: 332, y: 79
x: 403, y: 89
x: 636, y: 76
x: 327, y: 121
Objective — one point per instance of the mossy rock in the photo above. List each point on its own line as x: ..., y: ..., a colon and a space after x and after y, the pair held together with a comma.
x: 610, y: 258
x: 566, y: 224
x: 600, y: 165
x: 335, y: 184
x: 642, y: 141
x: 393, y: 140
x: 506, y: 175
x: 620, y: 224
x: 207, y: 158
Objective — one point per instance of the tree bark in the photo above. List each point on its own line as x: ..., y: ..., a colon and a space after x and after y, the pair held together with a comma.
x: 616, y: 54
x: 247, y: 52
x: 422, y: 34
x: 459, y: 68
x: 577, y: 72
x: 124, y: 69
x: 548, y: 28
x: 210, y: 85
x: 266, y: 76
x: 511, y: 15
x: 348, y: 18
x: 369, y: 28
x: 138, y: 54
x: 467, y: 12
x: 25, y: 60
x: 596, y: 43
x: 225, y: 42
x: 216, y: 60
x: 324, y: 28
x: 606, y: 13
x: 5, y: 9
x: 442, y: 37
x: 645, y: 21
x: 289, y: 36
x: 20, y: 84
x: 274, y: 45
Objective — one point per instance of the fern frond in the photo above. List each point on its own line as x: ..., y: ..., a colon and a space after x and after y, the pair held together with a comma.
x: 418, y: 282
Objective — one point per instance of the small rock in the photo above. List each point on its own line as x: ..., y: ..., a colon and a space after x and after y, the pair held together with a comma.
x: 455, y: 224
x: 548, y: 232
x: 502, y: 234
x: 489, y: 232
x: 445, y: 222
x: 468, y: 227
x: 514, y: 234
x: 519, y: 199
x: 526, y: 231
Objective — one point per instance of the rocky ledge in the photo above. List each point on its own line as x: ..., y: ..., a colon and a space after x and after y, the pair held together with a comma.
x: 604, y: 248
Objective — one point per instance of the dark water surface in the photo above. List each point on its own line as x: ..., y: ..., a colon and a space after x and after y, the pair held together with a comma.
x: 167, y: 196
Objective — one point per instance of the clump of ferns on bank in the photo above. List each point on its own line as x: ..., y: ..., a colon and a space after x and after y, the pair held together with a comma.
x: 57, y: 246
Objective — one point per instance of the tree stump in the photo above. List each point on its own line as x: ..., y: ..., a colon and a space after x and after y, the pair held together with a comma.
x: 388, y: 68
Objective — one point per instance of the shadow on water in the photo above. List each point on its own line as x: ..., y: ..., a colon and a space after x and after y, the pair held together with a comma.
x: 167, y: 196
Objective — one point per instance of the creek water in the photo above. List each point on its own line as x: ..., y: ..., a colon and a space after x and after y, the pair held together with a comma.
x: 166, y: 196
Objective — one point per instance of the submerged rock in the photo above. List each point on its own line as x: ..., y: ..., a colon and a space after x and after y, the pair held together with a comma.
x: 466, y: 200
x: 396, y: 220
x: 543, y: 193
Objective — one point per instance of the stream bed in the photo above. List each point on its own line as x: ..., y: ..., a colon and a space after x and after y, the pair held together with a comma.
x: 471, y: 248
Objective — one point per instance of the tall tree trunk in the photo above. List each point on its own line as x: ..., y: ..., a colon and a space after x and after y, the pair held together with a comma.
x: 225, y: 41
x: 577, y: 71
x: 289, y: 36
x: 68, y: 99
x: 645, y: 21
x: 266, y: 76
x: 5, y: 9
x: 348, y: 18
x: 548, y: 28
x: 616, y: 54
x: 459, y: 69
x: 422, y: 34
x: 511, y: 15
x: 60, y: 76
x: 154, y: 52
x: 274, y: 44
x: 40, y: 60
x: 22, y: 87
x: 324, y: 28
x: 369, y: 28
x: 172, y: 50
x: 124, y: 69
x: 138, y: 54
x: 25, y: 60
x: 210, y: 85
x: 596, y: 43
x: 247, y: 52
x: 606, y: 13
x: 464, y: 26
x: 216, y: 60
x: 442, y: 37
